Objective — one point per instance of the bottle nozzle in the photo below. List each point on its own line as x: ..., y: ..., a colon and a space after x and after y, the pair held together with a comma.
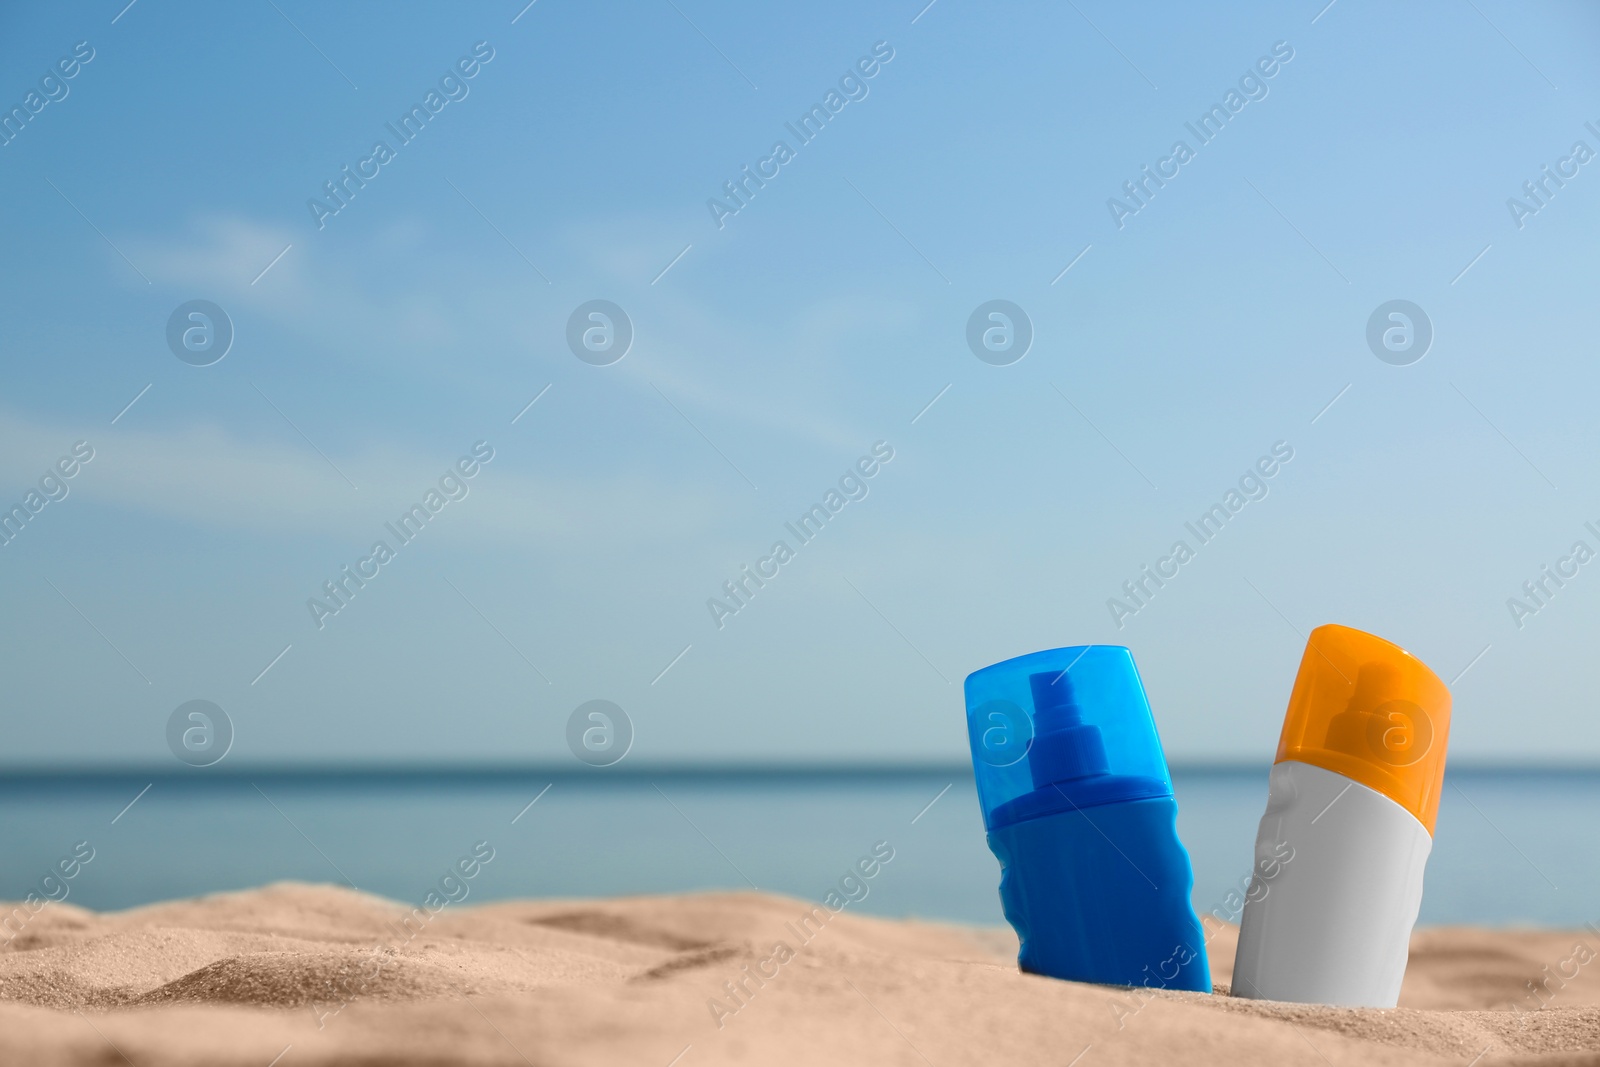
x: 1347, y: 730
x: 1064, y: 748
x: 1052, y: 692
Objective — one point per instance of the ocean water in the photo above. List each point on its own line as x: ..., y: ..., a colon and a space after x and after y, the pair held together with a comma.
x: 1512, y: 847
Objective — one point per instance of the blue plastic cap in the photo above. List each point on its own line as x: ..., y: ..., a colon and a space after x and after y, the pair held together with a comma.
x: 1062, y: 729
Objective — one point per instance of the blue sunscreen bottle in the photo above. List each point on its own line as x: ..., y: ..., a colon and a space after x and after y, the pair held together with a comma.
x: 1078, y: 805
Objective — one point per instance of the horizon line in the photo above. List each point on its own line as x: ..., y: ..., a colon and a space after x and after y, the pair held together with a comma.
x: 638, y: 772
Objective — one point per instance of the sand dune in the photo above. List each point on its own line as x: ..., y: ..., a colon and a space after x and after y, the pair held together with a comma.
x: 335, y: 976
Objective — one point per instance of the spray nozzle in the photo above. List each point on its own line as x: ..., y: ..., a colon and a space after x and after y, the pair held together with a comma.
x: 1064, y: 747
x: 1374, y: 683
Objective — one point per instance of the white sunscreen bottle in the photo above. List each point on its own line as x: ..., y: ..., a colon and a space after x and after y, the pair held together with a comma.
x: 1353, y: 798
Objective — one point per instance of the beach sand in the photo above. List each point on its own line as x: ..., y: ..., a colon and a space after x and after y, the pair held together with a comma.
x: 323, y: 975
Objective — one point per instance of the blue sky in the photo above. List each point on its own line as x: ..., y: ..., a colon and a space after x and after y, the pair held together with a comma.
x: 770, y: 354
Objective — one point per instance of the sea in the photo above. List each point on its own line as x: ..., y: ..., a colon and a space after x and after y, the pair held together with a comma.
x: 1513, y: 847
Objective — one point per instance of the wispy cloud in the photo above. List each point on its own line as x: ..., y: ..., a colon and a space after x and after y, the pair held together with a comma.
x: 349, y: 302
x: 212, y: 477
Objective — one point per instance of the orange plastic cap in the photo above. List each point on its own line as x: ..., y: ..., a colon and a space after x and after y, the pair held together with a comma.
x: 1373, y: 712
